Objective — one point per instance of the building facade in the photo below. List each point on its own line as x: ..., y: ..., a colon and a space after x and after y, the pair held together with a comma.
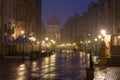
x: 53, y: 28
x: 7, y: 21
x: 17, y: 16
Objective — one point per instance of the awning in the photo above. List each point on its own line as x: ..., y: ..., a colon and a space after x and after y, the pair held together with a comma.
x: 22, y: 39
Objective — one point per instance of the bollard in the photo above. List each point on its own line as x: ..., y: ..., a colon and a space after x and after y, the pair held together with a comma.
x: 90, y: 70
x: 89, y: 73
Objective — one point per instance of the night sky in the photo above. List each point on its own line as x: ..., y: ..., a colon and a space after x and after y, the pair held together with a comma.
x: 63, y: 9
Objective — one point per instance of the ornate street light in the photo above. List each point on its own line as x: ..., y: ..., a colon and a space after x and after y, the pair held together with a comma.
x: 38, y: 45
x: 81, y: 42
x: 53, y: 42
x: 23, y: 36
x: 34, y: 39
x: 89, y: 41
x: 46, y: 38
x: 99, y: 36
x: 96, y: 39
x: 46, y: 42
x: 22, y: 32
x: 103, y: 32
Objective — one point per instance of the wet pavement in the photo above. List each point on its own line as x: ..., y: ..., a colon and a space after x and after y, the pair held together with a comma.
x: 108, y: 73
x: 60, y: 66
x: 63, y: 66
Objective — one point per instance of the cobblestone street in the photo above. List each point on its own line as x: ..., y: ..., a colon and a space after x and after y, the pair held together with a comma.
x: 108, y: 73
x: 63, y: 66
x: 60, y: 66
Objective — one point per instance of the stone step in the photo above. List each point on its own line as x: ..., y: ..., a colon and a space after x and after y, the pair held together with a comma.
x: 114, y: 61
x: 115, y: 50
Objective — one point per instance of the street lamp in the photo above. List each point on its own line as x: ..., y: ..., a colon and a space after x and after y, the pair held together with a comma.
x: 81, y: 42
x: 23, y: 36
x: 103, y: 32
x: 54, y: 45
x: 43, y: 42
x: 99, y: 36
x: 46, y: 38
x: 96, y: 39
x: 38, y: 45
x: 53, y: 42
x: 46, y: 42
x: 96, y: 47
x: 103, y: 48
x: 22, y: 32
x: 38, y: 42
x: 34, y: 39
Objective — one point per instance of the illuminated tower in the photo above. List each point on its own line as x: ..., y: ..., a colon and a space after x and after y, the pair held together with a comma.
x: 53, y: 28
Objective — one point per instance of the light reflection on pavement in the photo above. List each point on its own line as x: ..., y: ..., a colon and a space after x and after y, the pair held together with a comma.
x: 108, y: 73
x: 62, y: 66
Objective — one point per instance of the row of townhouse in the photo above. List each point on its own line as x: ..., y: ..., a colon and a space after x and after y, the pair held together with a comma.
x: 17, y: 16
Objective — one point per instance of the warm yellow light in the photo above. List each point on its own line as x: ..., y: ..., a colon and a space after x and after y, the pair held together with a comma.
x: 38, y: 42
x: 103, y: 32
x: 118, y: 37
x: 81, y: 42
x: 99, y: 36
x: 108, y: 38
x: 34, y: 39
x: 62, y: 45
x: 52, y: 40
x: 22, y: 32
x: 89, y: 41
x: 43, y: 42
x: 46, y: 38
x: 102, y: 39
x: 96, y: 39
x: 74, y: 44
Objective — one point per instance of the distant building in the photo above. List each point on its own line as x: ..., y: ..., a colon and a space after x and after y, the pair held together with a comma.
x: 53, y: 28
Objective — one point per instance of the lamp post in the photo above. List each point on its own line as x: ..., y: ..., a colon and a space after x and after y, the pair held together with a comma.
x: 46, y: 42
x: 99, y: 44
x: 54, y: 45
x: 34, y: 39
x: 103, y: 49
x: 103, y: 32
x: 99, y: 36
x: 81, y: 46
x: 90, y: 69
x: 96, y: 45
x: 38, y: 45
x: 23, y: 41
x: 89, y: 45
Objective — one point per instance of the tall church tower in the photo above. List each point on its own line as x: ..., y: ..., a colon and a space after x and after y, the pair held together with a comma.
x: 53, y: 28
